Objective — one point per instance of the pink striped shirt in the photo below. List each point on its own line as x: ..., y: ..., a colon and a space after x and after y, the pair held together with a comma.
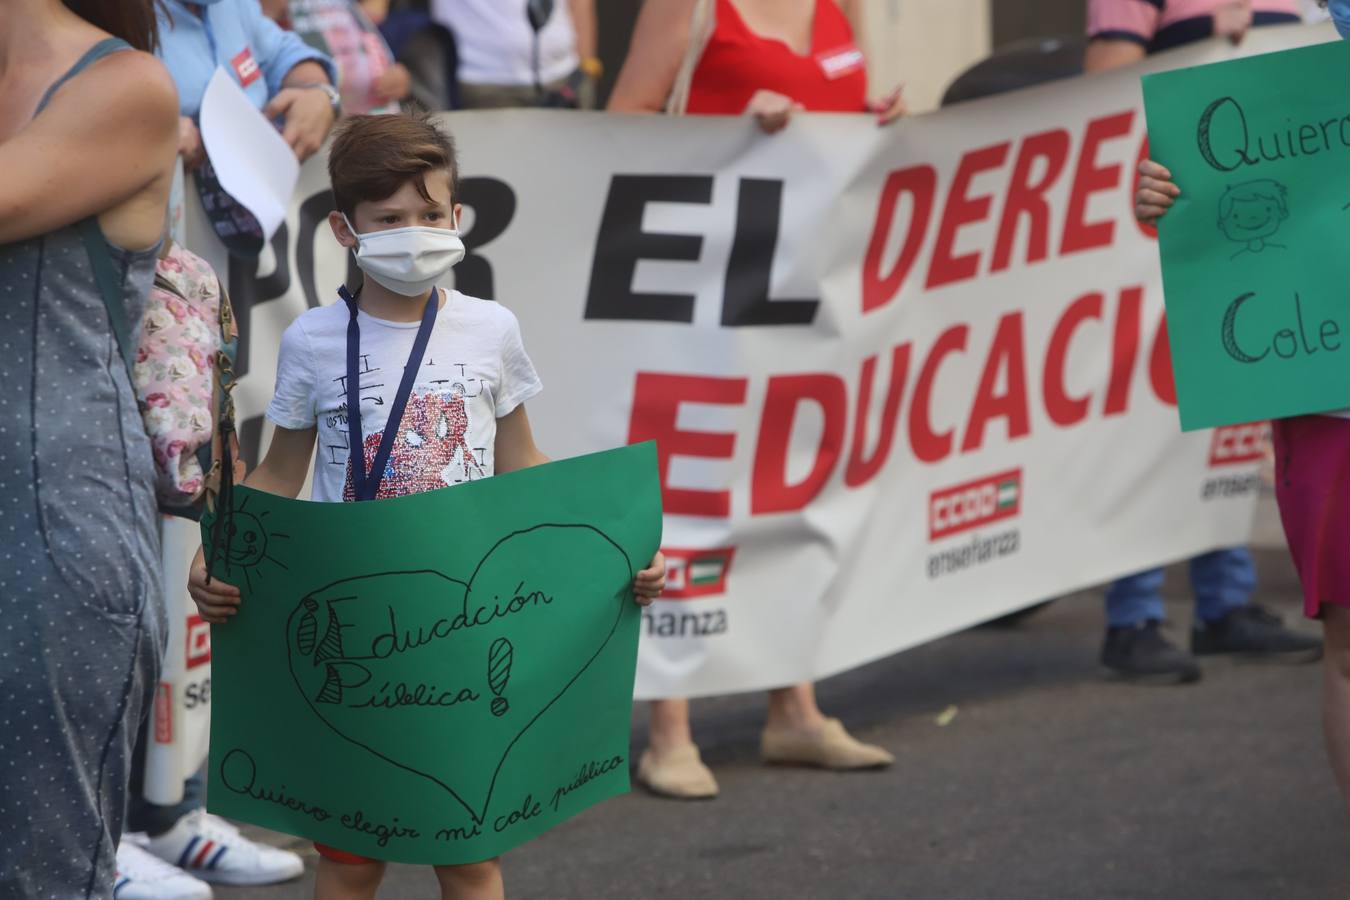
x: 1160, y: 24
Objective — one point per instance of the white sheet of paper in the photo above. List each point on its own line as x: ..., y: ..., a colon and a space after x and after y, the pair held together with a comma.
x: 251, y: 159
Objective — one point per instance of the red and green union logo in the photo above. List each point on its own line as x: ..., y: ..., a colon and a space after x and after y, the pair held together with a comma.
x: 691, y: 574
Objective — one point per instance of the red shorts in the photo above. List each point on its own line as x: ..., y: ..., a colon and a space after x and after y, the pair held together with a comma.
x: 342, y: 856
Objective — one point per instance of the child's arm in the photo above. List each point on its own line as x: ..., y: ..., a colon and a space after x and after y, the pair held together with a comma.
x: 284, y: 468
x: 515, y: 449
x: 282, y: 472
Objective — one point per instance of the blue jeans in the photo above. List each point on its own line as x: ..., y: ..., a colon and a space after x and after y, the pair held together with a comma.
x: 1222, y: 581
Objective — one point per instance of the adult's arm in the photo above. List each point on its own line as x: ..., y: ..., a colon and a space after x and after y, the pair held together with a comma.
x: 655, y: 53
x: 583, y: 21
x: 1104, y: 54
x: 286, y: 60
x: 106, y: 135
x: 378, y: 10
x: 1119, y: 32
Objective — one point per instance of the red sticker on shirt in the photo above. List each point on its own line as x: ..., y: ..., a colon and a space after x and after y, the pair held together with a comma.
x: 246, y: 67
x: 840, y: 61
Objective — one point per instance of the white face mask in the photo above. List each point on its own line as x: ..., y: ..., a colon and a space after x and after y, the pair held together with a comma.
x: 408, y: 261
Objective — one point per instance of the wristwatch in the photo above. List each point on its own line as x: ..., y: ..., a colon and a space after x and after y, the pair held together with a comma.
x: 334, y: 97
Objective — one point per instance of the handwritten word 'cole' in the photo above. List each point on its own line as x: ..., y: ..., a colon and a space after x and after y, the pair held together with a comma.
x: 528, y: 810
x: 387, y: 644
x: 1233, y: 149
x: 1286, y: 343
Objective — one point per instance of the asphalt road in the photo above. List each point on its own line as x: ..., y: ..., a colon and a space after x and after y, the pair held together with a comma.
x: 1051, y: 781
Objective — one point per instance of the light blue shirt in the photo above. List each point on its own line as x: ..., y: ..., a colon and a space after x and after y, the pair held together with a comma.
x: 235, y: 35
x: 1340, y: 14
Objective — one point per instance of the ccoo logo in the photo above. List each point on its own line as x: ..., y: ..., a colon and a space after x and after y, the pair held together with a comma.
x: 198, y: 642
x: 1236, y: 444
x: 975, y: 503
x: 691, y: 574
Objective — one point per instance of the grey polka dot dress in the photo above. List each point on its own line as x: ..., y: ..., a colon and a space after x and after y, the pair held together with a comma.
x: 81, y: 615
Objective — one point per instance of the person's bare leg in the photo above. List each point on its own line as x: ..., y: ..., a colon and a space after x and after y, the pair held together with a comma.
x: 794, y: 709
x: 669, y: 725
x: 344, y: 881
x: 474, y: 881
x: 798, y: 733
x: 671, y: 766
x: 1336, y: 694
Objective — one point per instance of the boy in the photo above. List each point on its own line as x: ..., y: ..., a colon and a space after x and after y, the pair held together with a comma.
x: 440, y: 380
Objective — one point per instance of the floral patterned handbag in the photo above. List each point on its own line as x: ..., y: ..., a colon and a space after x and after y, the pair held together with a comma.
x: 183, y: 374
x: 182, y: 371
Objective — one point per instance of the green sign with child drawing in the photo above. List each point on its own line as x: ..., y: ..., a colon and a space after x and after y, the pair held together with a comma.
x: 1256, y: 250
x: 435, y: 678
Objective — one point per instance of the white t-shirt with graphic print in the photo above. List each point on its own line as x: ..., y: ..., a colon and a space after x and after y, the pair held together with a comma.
x: 475, y: 371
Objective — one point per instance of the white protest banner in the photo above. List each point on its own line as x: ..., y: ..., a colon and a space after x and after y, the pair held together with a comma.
x: 903, y: 380
x: 179, y: 722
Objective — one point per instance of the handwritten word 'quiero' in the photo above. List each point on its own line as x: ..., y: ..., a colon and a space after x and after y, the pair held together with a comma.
x: 239, y: 774
x: 1286, y: 343
x: 1234, y: 149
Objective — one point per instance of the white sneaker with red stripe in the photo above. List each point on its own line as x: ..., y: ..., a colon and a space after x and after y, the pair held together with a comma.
x: 213, y: 850
x: 141, y: 876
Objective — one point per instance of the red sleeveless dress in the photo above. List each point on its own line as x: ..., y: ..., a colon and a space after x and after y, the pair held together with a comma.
x: 738, y: 62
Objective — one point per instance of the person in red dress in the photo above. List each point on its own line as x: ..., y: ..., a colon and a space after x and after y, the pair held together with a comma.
x: 768, y: 59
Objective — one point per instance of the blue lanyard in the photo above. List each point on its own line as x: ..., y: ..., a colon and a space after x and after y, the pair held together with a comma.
x: 366, y: 485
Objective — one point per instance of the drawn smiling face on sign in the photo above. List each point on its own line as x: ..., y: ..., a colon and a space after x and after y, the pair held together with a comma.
x: 1251, y: 213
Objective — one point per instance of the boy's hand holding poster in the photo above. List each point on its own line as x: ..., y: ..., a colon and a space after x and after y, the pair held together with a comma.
x: 1254, y: 253
x: 434, y: 678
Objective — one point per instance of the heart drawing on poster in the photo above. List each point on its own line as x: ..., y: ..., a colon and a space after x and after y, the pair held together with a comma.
x: 382, y: 657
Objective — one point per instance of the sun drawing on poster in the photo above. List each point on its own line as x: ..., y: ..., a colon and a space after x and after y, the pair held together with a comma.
x: 248, y: 547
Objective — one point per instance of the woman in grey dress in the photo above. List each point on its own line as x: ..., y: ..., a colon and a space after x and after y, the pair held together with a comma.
x: 88, y: 134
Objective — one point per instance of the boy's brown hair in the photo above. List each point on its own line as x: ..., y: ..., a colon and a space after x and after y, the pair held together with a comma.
x: 373, y: 156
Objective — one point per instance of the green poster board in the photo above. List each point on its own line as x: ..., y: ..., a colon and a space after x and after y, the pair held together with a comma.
x: 434, y: 678
x: 1256, y: 251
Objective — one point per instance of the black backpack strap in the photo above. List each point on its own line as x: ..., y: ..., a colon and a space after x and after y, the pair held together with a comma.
x: 110, y: 286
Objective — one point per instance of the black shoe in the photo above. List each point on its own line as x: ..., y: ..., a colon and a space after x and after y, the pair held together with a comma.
x: 1141, y: 653
x: 1256, y: 632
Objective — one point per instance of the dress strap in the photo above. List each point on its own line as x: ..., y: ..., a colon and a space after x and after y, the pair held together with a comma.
x: 103, y: 48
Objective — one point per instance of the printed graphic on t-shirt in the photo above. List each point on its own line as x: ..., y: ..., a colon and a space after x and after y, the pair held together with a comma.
x: 430, y: 451
x: 432, y: 448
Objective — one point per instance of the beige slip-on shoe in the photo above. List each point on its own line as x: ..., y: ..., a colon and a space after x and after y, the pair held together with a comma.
x: 678, y: 773
x: 831, y: 747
